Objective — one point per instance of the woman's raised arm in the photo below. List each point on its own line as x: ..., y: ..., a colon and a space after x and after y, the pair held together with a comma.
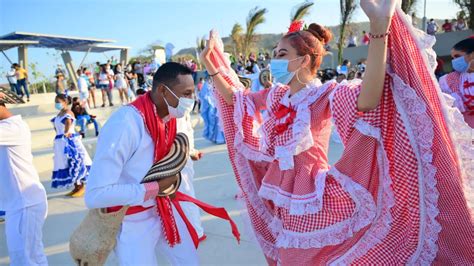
x: 380, y: 13
x: 220, y: 83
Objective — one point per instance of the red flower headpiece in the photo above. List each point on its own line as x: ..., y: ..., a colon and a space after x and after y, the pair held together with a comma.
x: 295, y: 26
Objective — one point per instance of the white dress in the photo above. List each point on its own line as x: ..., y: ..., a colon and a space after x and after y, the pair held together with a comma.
x: 120, y: 82
x: 71, y: 160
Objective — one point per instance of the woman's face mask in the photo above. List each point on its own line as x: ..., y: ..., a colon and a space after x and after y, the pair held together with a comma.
x: 59, y: 106
x: 279, y: 70
x: 461, y: 64
x: 185, y: 105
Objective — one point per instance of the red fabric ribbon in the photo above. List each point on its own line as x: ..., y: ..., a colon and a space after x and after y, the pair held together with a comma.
x: 215, y: 211
x: 282, y: 112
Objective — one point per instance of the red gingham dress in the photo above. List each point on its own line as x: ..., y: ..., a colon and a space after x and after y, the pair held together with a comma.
x: 396, y: 196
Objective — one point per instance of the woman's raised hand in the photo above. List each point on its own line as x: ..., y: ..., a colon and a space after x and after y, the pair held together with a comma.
x: 209, y: 47
x: 379, y: 11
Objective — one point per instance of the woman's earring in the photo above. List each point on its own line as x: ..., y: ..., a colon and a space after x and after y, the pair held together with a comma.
x: 298, y: 77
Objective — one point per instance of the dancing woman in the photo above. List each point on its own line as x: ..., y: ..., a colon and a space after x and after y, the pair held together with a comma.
x: 398, y: 193
x: 71, y: 160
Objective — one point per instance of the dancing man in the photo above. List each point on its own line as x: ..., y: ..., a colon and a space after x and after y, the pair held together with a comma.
x: 134, y: 138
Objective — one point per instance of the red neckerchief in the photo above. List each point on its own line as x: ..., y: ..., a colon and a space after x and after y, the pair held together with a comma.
x: 282, y: 112
x: 163, y: 135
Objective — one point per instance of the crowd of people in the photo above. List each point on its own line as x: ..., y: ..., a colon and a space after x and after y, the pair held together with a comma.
x: 407, y: 200
x: 448, y: 26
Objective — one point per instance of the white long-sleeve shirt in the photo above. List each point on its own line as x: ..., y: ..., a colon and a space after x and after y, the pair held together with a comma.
x: 20, y: 185
x: 123, y: 156
x: 184, y: 125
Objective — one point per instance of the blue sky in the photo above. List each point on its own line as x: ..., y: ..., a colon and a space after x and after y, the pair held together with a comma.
x: 137, y: 23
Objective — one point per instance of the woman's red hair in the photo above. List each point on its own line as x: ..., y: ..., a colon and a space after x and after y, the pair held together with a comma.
x: 311, y: 42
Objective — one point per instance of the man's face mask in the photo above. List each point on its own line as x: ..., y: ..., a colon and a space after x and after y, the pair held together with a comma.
x: 185, y: 105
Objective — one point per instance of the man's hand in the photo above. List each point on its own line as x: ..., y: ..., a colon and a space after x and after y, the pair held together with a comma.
x: 166, y: 183
x: 196, y: 156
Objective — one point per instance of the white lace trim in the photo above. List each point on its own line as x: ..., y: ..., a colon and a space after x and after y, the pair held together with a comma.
x: 427, y: 248
x: 268, y: 248
x: 420, y: 133
x: 364, y: 214
x: 251, y: 193
x: 463, y: 137
x: 302, y: 138
x: 296, y: 204
x: 334, y: 234
x: 385, y: 201
x: 239, y: 144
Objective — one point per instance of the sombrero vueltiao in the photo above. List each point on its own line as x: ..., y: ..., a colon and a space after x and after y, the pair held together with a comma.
x: 265, y: 76
x: 246, y: 82
x: 171, y: 164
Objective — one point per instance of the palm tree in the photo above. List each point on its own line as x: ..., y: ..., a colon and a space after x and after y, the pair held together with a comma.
x: 347, y: 9
x: 408, y: 5
x: 468, y: 7
x: 200, y: 45
x: 301, y: 10
x: 255, y: 18
x: 236, y: 37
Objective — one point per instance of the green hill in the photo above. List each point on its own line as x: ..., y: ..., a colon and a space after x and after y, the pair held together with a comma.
x: 266, y: 42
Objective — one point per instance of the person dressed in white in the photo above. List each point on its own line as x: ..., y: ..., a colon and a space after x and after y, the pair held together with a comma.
x: 22, y: 195
x: 121, y: 84
x: 11, y: 77
x: 184, y: 125
x: 83, y: 88
x: 125, y: 152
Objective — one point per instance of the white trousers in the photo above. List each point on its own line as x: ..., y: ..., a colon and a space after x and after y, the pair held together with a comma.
x: 142, y: 233
x: 187, y: 187
x: 24, y: 232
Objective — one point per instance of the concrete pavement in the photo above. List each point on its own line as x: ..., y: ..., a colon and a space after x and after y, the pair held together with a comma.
x: 214, y: 183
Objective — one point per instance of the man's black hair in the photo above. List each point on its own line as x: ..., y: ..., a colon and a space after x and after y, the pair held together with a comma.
x: 466, y: 46
x: 168, y: 73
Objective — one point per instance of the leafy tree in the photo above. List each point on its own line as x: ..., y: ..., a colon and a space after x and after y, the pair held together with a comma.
x: 408, y: 5
x: 467, y: 8
x: 301, y: 10
x: 236, y: 37
x: 255, y: 17
x: 347, y: 10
